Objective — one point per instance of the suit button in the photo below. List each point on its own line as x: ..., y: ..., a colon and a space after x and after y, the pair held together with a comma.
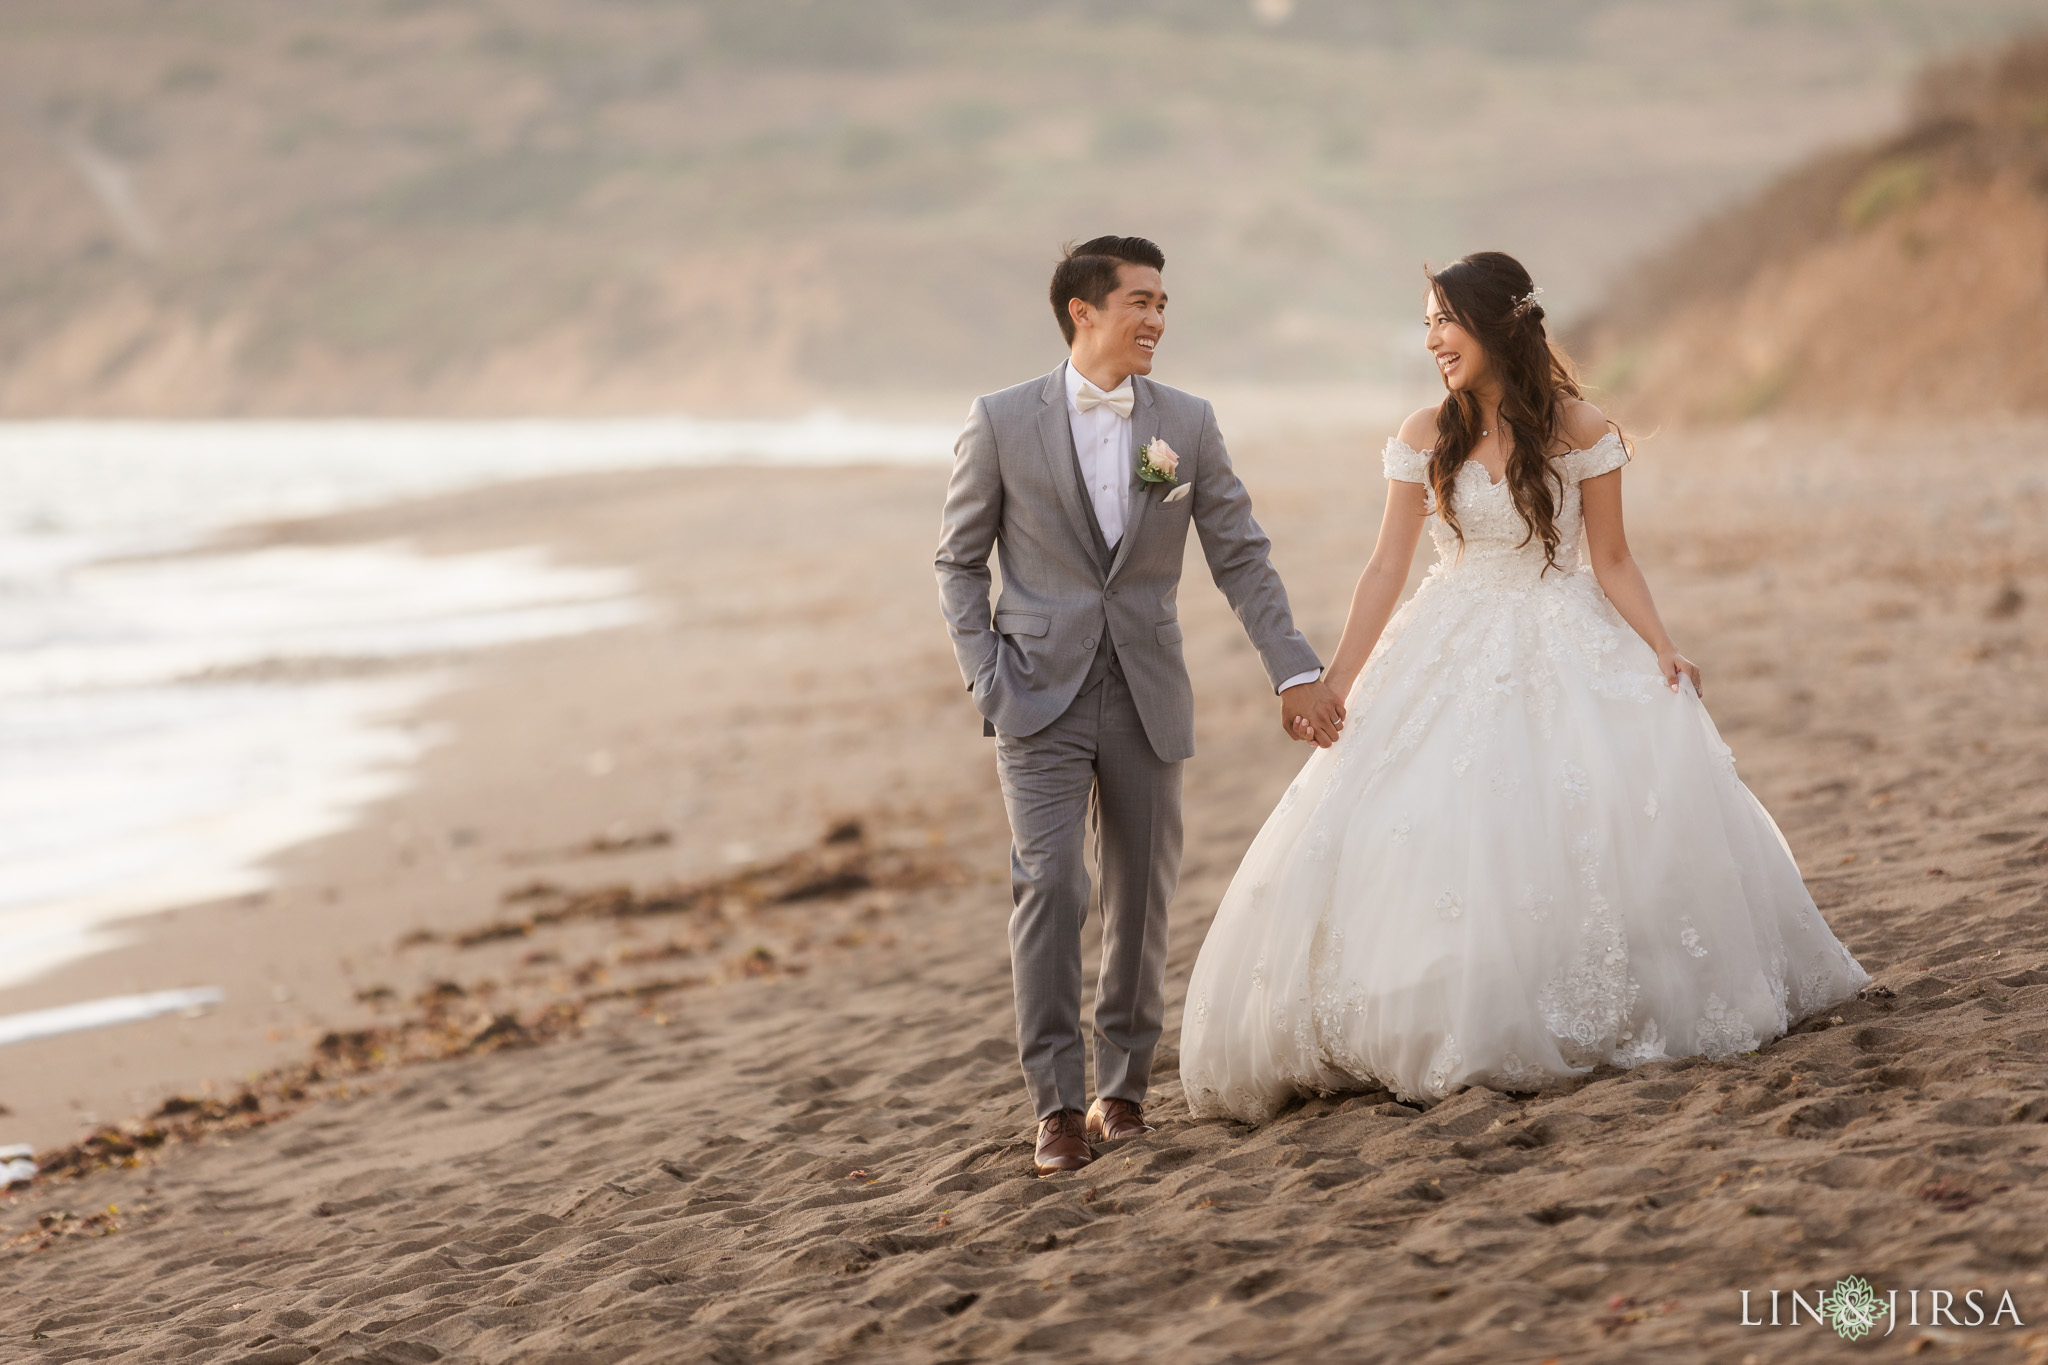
x: 1087, y: 644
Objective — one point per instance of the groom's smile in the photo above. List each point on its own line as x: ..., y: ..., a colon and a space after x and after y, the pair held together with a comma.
x: 1117, y: 338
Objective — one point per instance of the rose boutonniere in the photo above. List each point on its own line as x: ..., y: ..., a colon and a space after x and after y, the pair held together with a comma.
x: 1157, y: 463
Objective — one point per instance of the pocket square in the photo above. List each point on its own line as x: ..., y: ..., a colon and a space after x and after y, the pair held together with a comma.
x: 1177, y: 494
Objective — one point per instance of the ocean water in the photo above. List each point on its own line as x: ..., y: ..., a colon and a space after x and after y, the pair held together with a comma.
x: 171, y: 715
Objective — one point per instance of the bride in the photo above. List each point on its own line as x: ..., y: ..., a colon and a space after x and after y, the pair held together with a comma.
x: 1529, y: 853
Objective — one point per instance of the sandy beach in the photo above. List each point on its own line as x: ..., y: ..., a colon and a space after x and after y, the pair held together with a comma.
x: 697, y: 929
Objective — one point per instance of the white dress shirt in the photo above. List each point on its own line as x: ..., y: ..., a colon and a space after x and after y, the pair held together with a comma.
x: 1102, y: 442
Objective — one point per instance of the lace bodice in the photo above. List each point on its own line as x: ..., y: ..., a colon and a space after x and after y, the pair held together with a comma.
x: 1493, y: 551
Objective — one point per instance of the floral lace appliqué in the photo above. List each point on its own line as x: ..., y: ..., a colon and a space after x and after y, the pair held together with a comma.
x: 1518, y: 1076
x: 1589, y: 1002
x: 1722, y: 1032
x: 1444, y: 1068
x: 1689, y: 937
x: 1645, y: 1044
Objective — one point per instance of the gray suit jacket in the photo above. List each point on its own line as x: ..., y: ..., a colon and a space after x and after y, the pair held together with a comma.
x: 1016, y: 483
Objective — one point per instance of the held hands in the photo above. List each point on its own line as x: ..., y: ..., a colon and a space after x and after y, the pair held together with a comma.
x: 1313, y: 712
x: 1671, y: 663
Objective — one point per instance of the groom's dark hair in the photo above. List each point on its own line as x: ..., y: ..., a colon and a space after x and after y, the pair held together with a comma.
x: 1088, y: 272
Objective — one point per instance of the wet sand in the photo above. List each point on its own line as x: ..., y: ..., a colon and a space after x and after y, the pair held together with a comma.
x: 791, y: 1126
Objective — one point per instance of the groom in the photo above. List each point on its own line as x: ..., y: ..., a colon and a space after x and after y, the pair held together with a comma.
x: 1080, y: 675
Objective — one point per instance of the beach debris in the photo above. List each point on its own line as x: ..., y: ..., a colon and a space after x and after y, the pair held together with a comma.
x: 177, y: 1119
x: 447, y: 1019
x: 1623, y: 1311
x: 17, y: 1165
x: 661, y: 952
x: 617, y: 839
x: 449, y: 1023
x: 646, y: 990
x: 2007, y: 604
x: 492, y: 933
x: 1948, y: 1195
x: 620, y: 840
x: 57, y: 1224
x: 844, y: 865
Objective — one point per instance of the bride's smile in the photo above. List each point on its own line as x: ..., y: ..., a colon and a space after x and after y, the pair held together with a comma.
x: 1459, y: 360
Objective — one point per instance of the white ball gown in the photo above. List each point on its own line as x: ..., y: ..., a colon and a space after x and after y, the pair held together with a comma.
x: 1526, y: 856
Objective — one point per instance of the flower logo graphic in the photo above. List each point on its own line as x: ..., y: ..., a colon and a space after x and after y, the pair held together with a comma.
x: 1853, y: 1308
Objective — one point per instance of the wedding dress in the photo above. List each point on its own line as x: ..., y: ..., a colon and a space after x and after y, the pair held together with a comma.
x: 1525, y: 857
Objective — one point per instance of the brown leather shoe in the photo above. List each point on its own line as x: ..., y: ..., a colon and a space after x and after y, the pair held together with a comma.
x: 1115, y: 1120
x: 1061, y: 1143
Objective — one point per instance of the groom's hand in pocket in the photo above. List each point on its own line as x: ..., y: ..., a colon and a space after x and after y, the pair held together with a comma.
x: 1312, y: 711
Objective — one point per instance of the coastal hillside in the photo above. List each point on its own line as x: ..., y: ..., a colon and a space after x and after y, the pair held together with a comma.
x: 506, y: 206
x: 1903, y: 276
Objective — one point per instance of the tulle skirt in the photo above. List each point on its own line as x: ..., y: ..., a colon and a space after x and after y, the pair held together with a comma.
x: 1526, y: 857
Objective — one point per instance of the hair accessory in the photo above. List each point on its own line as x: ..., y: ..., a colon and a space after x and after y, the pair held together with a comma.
x: 1527, y: 304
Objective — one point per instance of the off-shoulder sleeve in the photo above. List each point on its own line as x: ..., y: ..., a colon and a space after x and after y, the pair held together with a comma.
x: 1604, y: 456
x: 1404, y: 463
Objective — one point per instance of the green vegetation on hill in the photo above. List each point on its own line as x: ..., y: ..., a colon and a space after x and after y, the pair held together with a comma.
x: 235, y: 205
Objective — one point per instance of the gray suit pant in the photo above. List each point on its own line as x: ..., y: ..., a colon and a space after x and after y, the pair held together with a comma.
x: 1094, y: 756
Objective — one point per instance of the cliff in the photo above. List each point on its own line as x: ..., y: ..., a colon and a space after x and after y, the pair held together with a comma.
x: 1909, y: 275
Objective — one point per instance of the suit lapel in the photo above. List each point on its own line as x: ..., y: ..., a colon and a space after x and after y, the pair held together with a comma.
x: 1056, y: 435
x: 1144, y: 428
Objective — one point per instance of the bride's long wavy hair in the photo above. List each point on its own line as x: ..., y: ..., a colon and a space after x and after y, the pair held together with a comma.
x: 1494, y: 300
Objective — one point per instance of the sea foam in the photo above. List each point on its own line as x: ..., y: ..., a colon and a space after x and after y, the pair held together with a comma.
x: 172, y: 715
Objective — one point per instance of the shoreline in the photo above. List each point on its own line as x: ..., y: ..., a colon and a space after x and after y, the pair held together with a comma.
x: 530, y: 771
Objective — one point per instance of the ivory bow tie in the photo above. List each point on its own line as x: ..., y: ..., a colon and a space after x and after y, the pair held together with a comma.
x: 1118, y: 402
